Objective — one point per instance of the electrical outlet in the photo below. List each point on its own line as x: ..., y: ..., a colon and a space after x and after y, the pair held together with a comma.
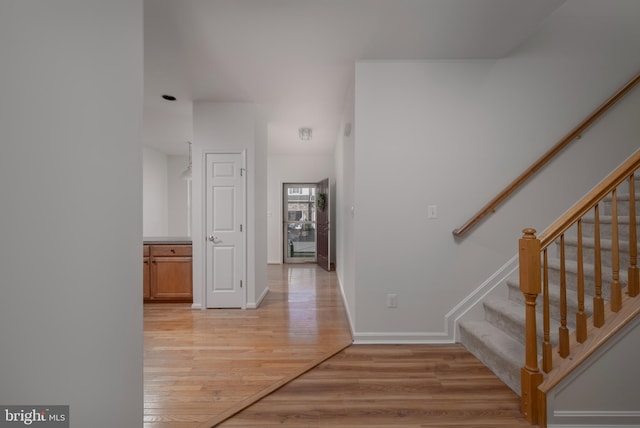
x: 392, y: 300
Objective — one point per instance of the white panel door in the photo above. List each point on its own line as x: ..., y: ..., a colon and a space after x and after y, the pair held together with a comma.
x: 225, y: 230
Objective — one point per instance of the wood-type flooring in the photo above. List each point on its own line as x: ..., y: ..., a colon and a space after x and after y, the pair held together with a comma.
x: 206, y: 368
x: 200, y: 365
x: 392, y: 386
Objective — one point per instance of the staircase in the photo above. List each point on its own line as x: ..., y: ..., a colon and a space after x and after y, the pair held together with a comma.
x: 498, y: 340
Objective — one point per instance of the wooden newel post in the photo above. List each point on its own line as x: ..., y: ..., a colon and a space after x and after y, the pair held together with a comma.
x: 530, y: 285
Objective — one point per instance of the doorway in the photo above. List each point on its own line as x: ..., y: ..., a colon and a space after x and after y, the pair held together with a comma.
x: 225, y: 254
x: 306, y: 225
x: 299, y: 222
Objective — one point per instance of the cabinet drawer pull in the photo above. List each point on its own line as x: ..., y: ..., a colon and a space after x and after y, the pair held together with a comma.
x: 170, y: 250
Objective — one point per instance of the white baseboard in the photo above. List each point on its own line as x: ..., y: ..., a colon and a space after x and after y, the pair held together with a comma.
x: 346, y: 307
x: 476, y: 297
x: 255, y: 305
x: 196, y: 306
x: 402, y: 338
x: 449, y: 335
x: 584, y: 418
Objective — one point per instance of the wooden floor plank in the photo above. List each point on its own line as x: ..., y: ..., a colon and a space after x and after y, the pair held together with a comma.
x: 203, y: 367
x: 390, y: 386
x: 202, y: 364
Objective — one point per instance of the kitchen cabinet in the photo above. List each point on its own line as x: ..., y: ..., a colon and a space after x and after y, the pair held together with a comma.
x: 146, y: 275
x: 169, y: 273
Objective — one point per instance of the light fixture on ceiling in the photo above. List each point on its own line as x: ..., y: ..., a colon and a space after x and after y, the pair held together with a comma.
x: 304, y: 134
x: 186, y: 175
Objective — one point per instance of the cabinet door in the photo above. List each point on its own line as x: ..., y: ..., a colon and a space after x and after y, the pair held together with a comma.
x: 146, y: 278
x: 146, y: 286
x: 171, y: 279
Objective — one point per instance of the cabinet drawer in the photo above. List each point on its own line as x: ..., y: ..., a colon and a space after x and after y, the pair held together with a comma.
x: 145, y: 251
x: 170, y: 250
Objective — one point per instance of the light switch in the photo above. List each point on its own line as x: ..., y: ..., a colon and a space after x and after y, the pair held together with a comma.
x: 392, y: 300
x: 432, y: 211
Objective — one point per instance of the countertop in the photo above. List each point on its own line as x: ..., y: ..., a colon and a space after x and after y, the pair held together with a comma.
x: 175, y: 240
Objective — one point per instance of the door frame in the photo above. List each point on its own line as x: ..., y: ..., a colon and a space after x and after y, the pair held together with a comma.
x: 323, y: 225
x: 283, y: 222
x: 244, y: 218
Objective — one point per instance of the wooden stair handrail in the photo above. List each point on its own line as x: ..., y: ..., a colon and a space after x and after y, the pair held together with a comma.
x: 542, y: 161
x: 605, y: 322
x: 590, y: 200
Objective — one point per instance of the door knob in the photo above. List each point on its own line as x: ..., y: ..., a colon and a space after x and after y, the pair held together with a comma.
x: 213, y: 238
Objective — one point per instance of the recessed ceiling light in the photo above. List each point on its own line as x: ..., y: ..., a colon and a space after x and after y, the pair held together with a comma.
x: 169, y: 97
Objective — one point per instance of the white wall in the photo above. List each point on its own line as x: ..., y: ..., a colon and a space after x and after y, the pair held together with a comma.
x: 453, y: 134
x: 71, y: 222
x: 164, y: 194
x: 290, y: 169
x: 345, y: 216
x: 177, y: 189
x: 155, y: 193
x: 231, y: 127
x: 260, y: 289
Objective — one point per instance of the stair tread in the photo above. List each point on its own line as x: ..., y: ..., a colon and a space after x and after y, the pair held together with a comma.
x: 589, y: 242
x: 505, y: 345
x: 514, y: 313
x: 503, y: 354
x: 605, y: 218
x: 554, y: 296
x: 509, y: 308
x: 589, y: 269
x: 623, y: 195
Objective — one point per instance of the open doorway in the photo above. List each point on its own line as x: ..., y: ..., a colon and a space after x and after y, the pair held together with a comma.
x: 306, y: 224
x: 299, y: 222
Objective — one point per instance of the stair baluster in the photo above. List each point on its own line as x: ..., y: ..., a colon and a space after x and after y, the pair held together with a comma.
x: 581, y: 316
x: 633, y: 277
x: 547, y: 358
x: 616, y: 288
x: 598, y: 301
x: 563, y: 331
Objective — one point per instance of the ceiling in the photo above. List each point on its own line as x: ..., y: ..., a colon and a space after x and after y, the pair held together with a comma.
x: 295, y: 58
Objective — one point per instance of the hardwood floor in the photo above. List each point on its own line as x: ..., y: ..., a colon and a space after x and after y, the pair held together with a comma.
x: 400, y: 386
x: 201, y: 366
x: 204, y: 367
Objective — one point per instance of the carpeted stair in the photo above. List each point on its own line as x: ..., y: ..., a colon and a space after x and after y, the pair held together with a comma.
x: 498, y: 339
